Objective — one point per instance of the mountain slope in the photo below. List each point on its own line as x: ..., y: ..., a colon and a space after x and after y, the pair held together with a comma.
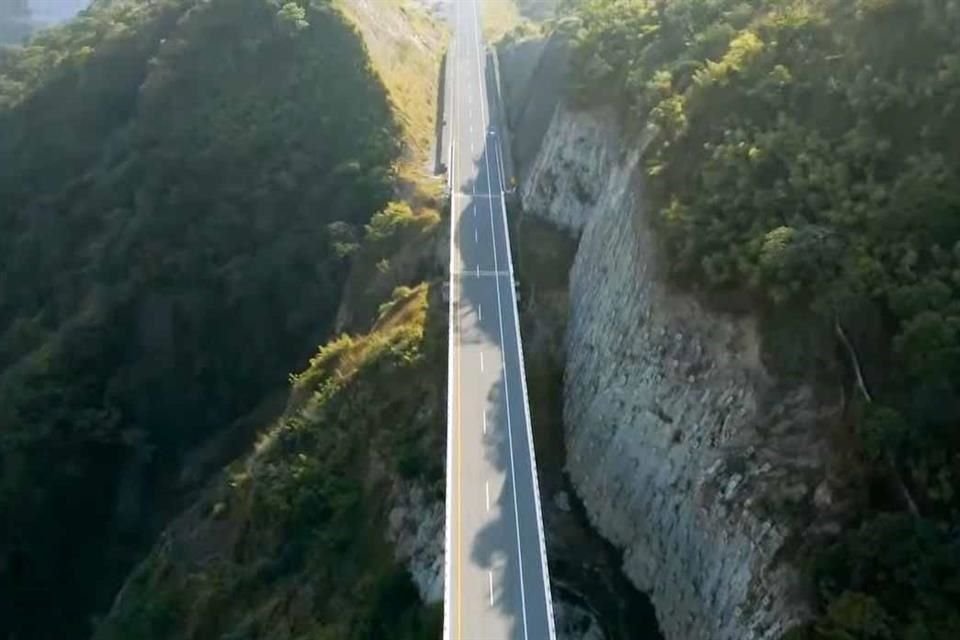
x: 289, y: 543
x: 183, y: 179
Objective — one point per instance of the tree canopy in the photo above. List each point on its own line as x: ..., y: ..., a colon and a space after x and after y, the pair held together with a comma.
x: 175, y: 176
x: 805, y: 153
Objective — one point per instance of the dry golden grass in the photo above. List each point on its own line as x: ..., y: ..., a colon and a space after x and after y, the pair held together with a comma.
x: 405, y: 44
x: 499, y: 17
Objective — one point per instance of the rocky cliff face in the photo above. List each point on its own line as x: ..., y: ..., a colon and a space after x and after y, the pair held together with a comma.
x: 685, y: 450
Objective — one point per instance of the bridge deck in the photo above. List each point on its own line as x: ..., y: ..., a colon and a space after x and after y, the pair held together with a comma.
x: 497, y: 583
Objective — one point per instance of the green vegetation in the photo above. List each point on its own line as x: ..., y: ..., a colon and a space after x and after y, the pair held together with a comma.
x: 176, y: 177
x: 804, y: 154
x: 395, y: 249
x: 289, y: 544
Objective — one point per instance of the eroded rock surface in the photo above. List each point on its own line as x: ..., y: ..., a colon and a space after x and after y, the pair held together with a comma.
x: 686, y: 451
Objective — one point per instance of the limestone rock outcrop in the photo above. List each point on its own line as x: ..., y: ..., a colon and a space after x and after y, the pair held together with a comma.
x: 687, y: 452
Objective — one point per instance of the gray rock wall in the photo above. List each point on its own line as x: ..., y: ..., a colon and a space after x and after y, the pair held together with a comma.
x: 685, y: 451
x: 579, y: 169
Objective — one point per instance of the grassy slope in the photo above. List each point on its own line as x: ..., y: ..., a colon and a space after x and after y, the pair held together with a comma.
x: 404, y: 44
x: 499, y: 17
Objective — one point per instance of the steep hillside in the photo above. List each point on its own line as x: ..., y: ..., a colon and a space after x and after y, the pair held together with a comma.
x: 290, y: 542
x: 760, y: 390
x: 405, y: 42
x: 176, y: 239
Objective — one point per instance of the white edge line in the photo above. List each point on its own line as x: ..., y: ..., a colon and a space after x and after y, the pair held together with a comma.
x: 526, y: 410
x: 523, y: 385
x: 503, y: 361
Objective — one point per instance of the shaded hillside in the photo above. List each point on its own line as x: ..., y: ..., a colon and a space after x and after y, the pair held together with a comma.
x: 803, y: 166
x: 179, y: 182
x: 289, y: 543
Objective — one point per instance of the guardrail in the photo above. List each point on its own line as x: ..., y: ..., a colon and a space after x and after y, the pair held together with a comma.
x: 526, y: 404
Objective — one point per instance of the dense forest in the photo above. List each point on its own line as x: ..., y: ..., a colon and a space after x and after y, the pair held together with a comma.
x: 181, y: 182
x: 804, y: 158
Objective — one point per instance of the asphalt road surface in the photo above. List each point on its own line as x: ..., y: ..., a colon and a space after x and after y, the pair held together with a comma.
x: 497, y: 584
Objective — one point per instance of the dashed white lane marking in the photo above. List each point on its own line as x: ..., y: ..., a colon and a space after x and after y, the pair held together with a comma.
x: 484, y: 423
x: 490, y: 581
x: 513, y: 473
x: 480, y: 312
x: 478, y: 271
x: 487, y: 487
x: 481, y: 361
x: 476, y: 236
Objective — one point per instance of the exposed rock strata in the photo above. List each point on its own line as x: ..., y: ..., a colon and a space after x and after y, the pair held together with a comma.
x: 687, y: 453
